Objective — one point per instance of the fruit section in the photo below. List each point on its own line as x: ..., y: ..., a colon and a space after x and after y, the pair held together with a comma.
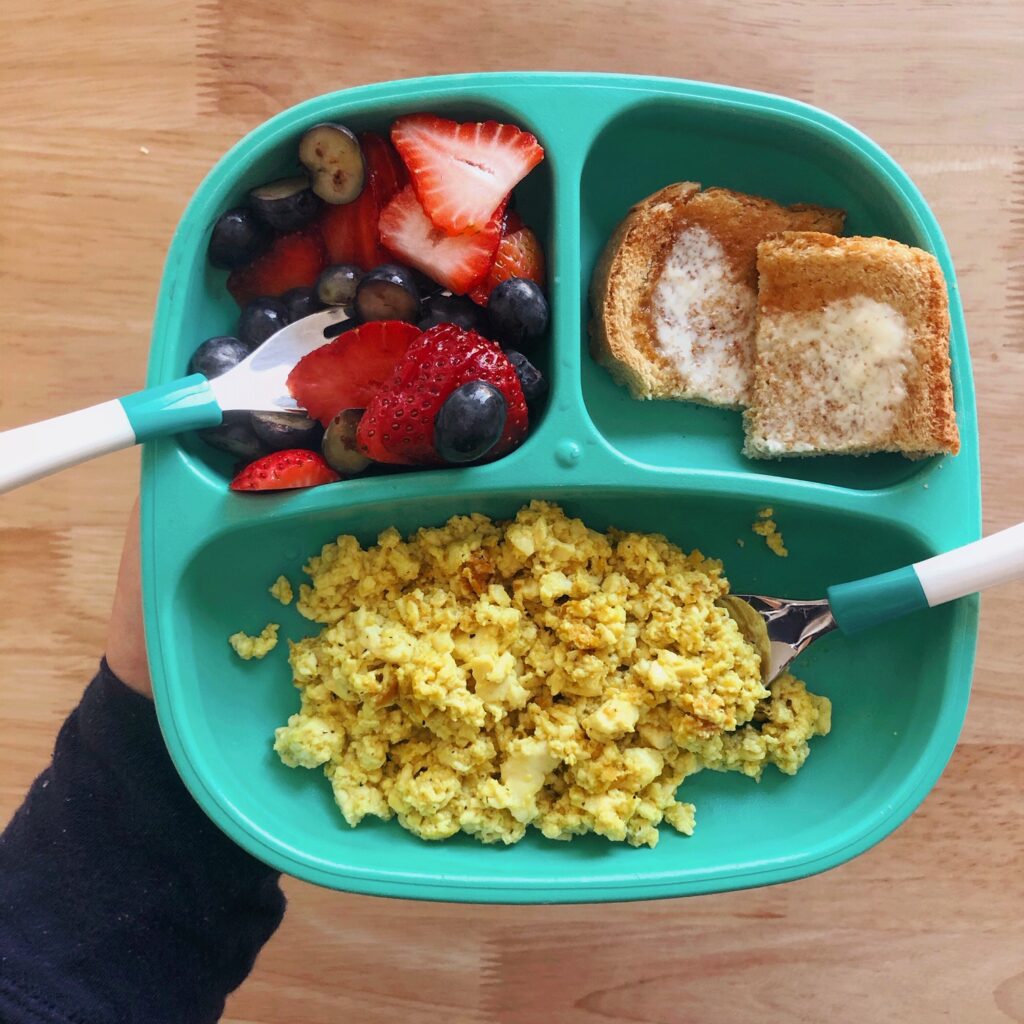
x: 415, y: 235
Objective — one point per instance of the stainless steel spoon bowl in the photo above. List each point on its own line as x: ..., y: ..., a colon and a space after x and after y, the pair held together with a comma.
x: 781, y: 628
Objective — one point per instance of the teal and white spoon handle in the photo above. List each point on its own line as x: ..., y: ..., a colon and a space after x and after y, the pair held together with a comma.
x: 996, y: 559
x: 34, y: 451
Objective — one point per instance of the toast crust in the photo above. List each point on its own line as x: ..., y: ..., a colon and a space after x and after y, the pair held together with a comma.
x: 621, y: 287
x: 624, y: 324
x: 802, y: 273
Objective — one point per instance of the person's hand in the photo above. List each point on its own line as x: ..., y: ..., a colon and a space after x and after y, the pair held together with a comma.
x: 126, y: 639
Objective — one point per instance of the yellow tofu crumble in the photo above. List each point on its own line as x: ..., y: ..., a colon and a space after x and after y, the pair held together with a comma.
x: 247, y: 647
x: 766, y: 527
x: 282, y: 590
x: 492, y: 676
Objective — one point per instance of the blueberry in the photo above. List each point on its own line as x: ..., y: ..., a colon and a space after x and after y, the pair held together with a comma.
x: 531, y: 380
x: 388, y: 292
x: 218, y: 355
x: 301, y: 302
x: 426, y: 286
x: 453, y: 309
x: 334, y: 159
x: 517, y: 311
x: 260, y: 319
x: 339, y: 444
x: 425, y: 323
x: 235, y: 436
x: 238, y: 238
x: 470, y: 422
x: 337, y: 284
x: 286, y: 204
x: 281, y: 430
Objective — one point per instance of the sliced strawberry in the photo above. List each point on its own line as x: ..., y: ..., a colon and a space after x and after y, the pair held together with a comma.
x: 292, y: 261
x: 461, y: 172
x: 281, y: 471
x: 350, y: 231
x: 458, y: 262
x: 519, y: 255
x: 348, y: 371
x: 388, y: 175
x: 398, y: 425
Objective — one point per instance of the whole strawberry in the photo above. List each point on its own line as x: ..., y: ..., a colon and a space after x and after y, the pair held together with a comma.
x: 399, y: 425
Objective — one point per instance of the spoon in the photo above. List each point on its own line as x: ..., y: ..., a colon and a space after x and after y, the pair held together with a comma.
x: 781, y: 628
x: 189, y: 403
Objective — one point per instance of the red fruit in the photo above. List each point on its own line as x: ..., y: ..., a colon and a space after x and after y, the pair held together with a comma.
x: 519, y: 255
x: 461, y: 172
x: 292, y: 261
x: 281, y: 471
x: 398, y: 425
x: 348, y: 371
x: 458, y: 262
x: 350, y: 231
x: 387, y: 173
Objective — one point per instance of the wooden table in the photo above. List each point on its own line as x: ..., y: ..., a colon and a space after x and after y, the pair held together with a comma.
x: 114, y: 110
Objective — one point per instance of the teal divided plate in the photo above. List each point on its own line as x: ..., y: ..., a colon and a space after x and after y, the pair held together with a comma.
x: 899, y: 693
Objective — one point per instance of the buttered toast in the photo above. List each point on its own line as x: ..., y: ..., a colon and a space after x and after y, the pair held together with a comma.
x: 674, y: 294
x: 851, y: 351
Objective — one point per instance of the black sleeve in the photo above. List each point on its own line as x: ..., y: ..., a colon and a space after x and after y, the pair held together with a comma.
x: 119, y: 900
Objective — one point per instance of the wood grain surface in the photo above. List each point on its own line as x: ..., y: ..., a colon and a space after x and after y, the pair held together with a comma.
x: 112, y: 113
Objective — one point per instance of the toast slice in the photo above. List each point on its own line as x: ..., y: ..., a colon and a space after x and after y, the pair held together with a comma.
x: 674, y: 295
x: 851, y: 351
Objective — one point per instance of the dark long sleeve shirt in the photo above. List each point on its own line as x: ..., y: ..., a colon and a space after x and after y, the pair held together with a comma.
x: 120, y: 902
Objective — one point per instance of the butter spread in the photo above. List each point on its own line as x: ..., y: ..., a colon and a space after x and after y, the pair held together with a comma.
x: 704, y: 319
x: 836, y: 377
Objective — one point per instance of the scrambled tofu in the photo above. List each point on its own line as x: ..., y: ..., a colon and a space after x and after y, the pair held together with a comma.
x: 488, y: 677
x: 282, y: 590
x: 248, y: 647
x: 766, y: 527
